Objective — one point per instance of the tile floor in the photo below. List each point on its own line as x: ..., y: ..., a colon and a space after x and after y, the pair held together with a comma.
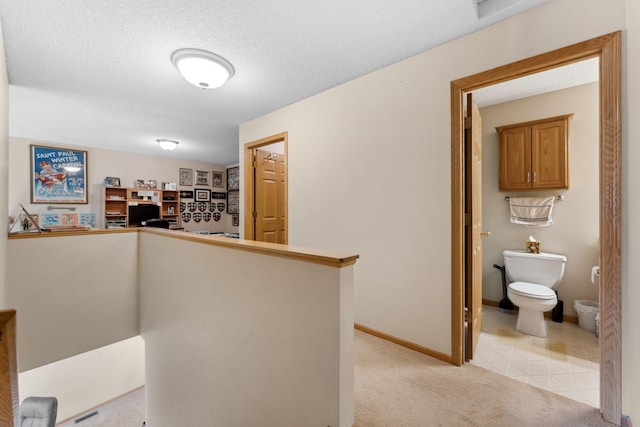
x: 566, y: 362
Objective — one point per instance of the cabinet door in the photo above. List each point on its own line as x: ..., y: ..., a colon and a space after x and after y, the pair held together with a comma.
x: 549, y: 155
x: 515, y: 159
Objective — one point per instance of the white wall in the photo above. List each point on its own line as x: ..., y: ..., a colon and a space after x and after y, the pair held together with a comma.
x: 385, y: 165
x: 102, y: 163
x: 575, y: 229
x: 248, y: 339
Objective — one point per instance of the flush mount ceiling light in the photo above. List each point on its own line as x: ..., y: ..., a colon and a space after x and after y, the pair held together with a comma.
x: 167, y: 144
x: 201, y: 68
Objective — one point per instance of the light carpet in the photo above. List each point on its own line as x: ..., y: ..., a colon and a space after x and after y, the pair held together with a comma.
x: 396, y: 386
x: 399, y: 387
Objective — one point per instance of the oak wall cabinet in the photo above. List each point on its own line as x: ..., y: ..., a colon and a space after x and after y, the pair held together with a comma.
x: 535, y: 155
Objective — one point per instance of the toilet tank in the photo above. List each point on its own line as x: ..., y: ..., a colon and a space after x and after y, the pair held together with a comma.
x: 544, y: 268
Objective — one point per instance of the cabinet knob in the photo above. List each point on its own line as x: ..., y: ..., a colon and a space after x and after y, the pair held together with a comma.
x: 485, y: 233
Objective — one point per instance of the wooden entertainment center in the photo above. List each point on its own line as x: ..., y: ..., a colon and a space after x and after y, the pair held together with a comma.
x: 129, y: 207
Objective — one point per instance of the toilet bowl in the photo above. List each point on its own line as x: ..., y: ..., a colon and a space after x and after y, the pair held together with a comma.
x: 534, y: 278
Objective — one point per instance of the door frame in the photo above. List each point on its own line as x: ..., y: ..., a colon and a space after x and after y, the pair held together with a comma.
x: 249, y: 185
x: 608, y: 49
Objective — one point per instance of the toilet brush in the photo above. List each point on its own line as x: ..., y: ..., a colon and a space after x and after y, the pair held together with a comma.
x: 505, y: 305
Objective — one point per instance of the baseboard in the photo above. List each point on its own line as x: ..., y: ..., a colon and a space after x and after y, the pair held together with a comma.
x: 625, y: 421
x: 565, y: 317
x: 404, y: 343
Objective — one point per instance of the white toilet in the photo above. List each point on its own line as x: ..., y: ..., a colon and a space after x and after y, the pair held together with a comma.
x: 534, y: 278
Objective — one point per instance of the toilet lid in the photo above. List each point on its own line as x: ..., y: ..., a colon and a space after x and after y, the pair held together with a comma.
x: 532, y: 290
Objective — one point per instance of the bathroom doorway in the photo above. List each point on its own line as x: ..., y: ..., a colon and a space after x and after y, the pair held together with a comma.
x: 607, y: 50
x: 566, y: 361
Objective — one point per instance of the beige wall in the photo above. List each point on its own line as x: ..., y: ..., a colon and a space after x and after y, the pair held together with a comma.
x: 4, y: 166
x: 575, y: 228
x: 248, y: 339
x: 74, y: 297
x: 102, y: 163
x: 89, y: 379
x: 630, y: 213
x: 230, y: 336
x: 394, y: 123
x: 384, y: 167
x: 88, y: 284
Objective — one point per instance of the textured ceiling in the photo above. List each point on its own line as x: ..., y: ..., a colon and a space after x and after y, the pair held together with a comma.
x: 97, y: 73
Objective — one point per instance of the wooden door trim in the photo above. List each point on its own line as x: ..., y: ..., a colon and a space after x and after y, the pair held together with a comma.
x: 249, y: 229
x: 608, y: 49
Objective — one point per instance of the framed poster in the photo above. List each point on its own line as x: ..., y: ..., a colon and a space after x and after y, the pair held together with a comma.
x: 202, y: 195
x: 233, y: 202
x: 202, y: 177
x: 58, y: 175
x: 185, y: 176
x: 217, y: 179
x: 233, y: 178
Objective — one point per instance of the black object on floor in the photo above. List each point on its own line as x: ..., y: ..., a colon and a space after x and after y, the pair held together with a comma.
x: 505, y: 305
x: 557, y: 314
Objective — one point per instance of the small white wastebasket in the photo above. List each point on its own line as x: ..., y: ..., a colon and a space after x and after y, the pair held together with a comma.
x: 587, y: 311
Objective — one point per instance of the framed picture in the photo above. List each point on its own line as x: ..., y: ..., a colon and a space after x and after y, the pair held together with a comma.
x: 218, y: 195
x: 153, y: 183
x: 202, y: 195
x: 58, y: 175
x: 217, y: 179
x: 233, y: 202
x: 202, y: 177
x: 186, y: 176
x: 186, y: 194
x: 233, y: 178
x: 235, y: 220
x: 111, y: 181
x: 140, y: 183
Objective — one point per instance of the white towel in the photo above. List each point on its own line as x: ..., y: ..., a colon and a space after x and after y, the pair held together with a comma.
x: 531, y: 211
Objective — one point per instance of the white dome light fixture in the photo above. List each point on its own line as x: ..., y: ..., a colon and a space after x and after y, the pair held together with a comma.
x: 201, y: 68
x: 167, y: 144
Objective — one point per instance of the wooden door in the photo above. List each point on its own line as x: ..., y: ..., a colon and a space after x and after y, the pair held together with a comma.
x: 270, y: 183
x: 549, y: 154
x: 473, y: 233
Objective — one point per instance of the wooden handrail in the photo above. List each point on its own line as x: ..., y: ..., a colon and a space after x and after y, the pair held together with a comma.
x: 316, y: 256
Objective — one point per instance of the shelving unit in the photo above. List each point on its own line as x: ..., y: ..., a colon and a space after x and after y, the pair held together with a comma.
x: 117, y: 201
x: 171, y: 207
x: 115, y: 207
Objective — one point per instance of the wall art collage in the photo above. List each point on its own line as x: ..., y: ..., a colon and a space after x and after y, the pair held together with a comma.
x: 201, y: 211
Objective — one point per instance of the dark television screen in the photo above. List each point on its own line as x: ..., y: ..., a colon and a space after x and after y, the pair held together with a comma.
x: 140, y: 213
